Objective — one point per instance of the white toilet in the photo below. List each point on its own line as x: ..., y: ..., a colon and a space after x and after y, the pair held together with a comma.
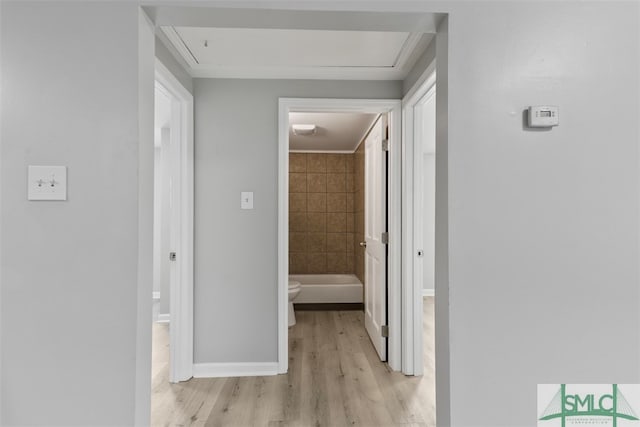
x: 294, y: 290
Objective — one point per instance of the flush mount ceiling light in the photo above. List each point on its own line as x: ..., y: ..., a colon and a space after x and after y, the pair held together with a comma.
x: 304, y: 129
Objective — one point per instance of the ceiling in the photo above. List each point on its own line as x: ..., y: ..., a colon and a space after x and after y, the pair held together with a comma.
x: 298, y: 44
x: 341, y: 132
x: 296, y: 53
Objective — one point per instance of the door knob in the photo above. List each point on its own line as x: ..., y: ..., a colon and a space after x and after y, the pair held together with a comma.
x: 363, y: 244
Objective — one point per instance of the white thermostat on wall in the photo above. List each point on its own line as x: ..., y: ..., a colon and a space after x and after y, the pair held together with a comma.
x: 543, y: 116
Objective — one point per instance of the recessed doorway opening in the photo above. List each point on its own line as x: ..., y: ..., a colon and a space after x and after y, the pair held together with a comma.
x: 337, y: 216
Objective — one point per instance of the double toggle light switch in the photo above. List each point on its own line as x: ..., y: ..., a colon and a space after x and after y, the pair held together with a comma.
x: 47, y: 183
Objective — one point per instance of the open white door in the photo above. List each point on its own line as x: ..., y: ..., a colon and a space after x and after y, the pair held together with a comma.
x: 173, y: 192
x: 179, y: 255
x: 375, y: 224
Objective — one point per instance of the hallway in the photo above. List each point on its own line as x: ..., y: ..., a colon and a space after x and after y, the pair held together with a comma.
x: 334, y: 379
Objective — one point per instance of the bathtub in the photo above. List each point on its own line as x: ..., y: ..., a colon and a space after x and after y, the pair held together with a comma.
x: 328, y: 288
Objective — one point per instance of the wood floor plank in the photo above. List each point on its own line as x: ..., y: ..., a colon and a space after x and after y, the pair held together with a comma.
x: 335, y: 378
x: 294, y: 380
x: 359, y: 404
x: 314, y: 403
x: 197, y: 405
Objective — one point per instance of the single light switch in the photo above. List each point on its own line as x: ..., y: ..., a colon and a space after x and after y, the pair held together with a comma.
x: 246, y: 200
x: 47, y: 183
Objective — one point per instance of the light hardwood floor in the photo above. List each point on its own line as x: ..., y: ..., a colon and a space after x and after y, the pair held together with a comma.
x: 335, y: 379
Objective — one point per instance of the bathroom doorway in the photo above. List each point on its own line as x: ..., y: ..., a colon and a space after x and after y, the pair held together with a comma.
x: 324, y: 241
x: 326, y: 208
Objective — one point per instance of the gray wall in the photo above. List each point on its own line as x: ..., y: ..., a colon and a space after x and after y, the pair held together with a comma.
x: 236, y: 149
x: 543, y: 226
x: 441, y: 244
x: 144, y: 174
x: 69, y: 270
x: 542, y: 237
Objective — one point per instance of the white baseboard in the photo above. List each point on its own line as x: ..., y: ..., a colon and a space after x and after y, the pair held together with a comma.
x: 163, y: 318
x: 155, y: 295
x: 428, y: 292
x: 218, y: 370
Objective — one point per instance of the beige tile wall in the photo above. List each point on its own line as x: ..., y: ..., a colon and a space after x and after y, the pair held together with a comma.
x: 321, y: 213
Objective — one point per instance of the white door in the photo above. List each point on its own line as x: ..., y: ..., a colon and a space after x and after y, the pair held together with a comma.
x: 424, y: 193
x: 176, y: 347
x: 171, y: 227
x: 375, y: 259
x: 179, y: 219
x: 173, y: 187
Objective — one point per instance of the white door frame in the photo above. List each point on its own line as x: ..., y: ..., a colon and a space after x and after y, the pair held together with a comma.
x: 393, y: 108
x: 412, y: 310
x: 181, y: 294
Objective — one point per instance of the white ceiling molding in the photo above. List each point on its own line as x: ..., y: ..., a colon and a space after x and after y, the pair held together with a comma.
x: 241, y: 17
x: 180, y: 46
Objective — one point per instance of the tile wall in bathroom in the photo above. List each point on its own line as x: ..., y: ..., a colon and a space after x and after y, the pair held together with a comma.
x: 321, y: 213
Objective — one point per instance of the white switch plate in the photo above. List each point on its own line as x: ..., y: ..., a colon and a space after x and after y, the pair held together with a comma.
x: 47, y: 183
x: 246, y: 200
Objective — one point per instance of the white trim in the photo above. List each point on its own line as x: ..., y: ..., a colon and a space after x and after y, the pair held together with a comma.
x: 428, y: 292
x: 172, y: 34
x: 421, y: 85
x: 283, y: 236
x: 164, y: 318
x: 408, y: 52
x: 181, y: 296
x: 325, y: 151
x: 393, y: 108
x: 225, y: 370
x: 291, y: 73
x: 412, y: 286
x: 155, y: 295
x: 394, y: 219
